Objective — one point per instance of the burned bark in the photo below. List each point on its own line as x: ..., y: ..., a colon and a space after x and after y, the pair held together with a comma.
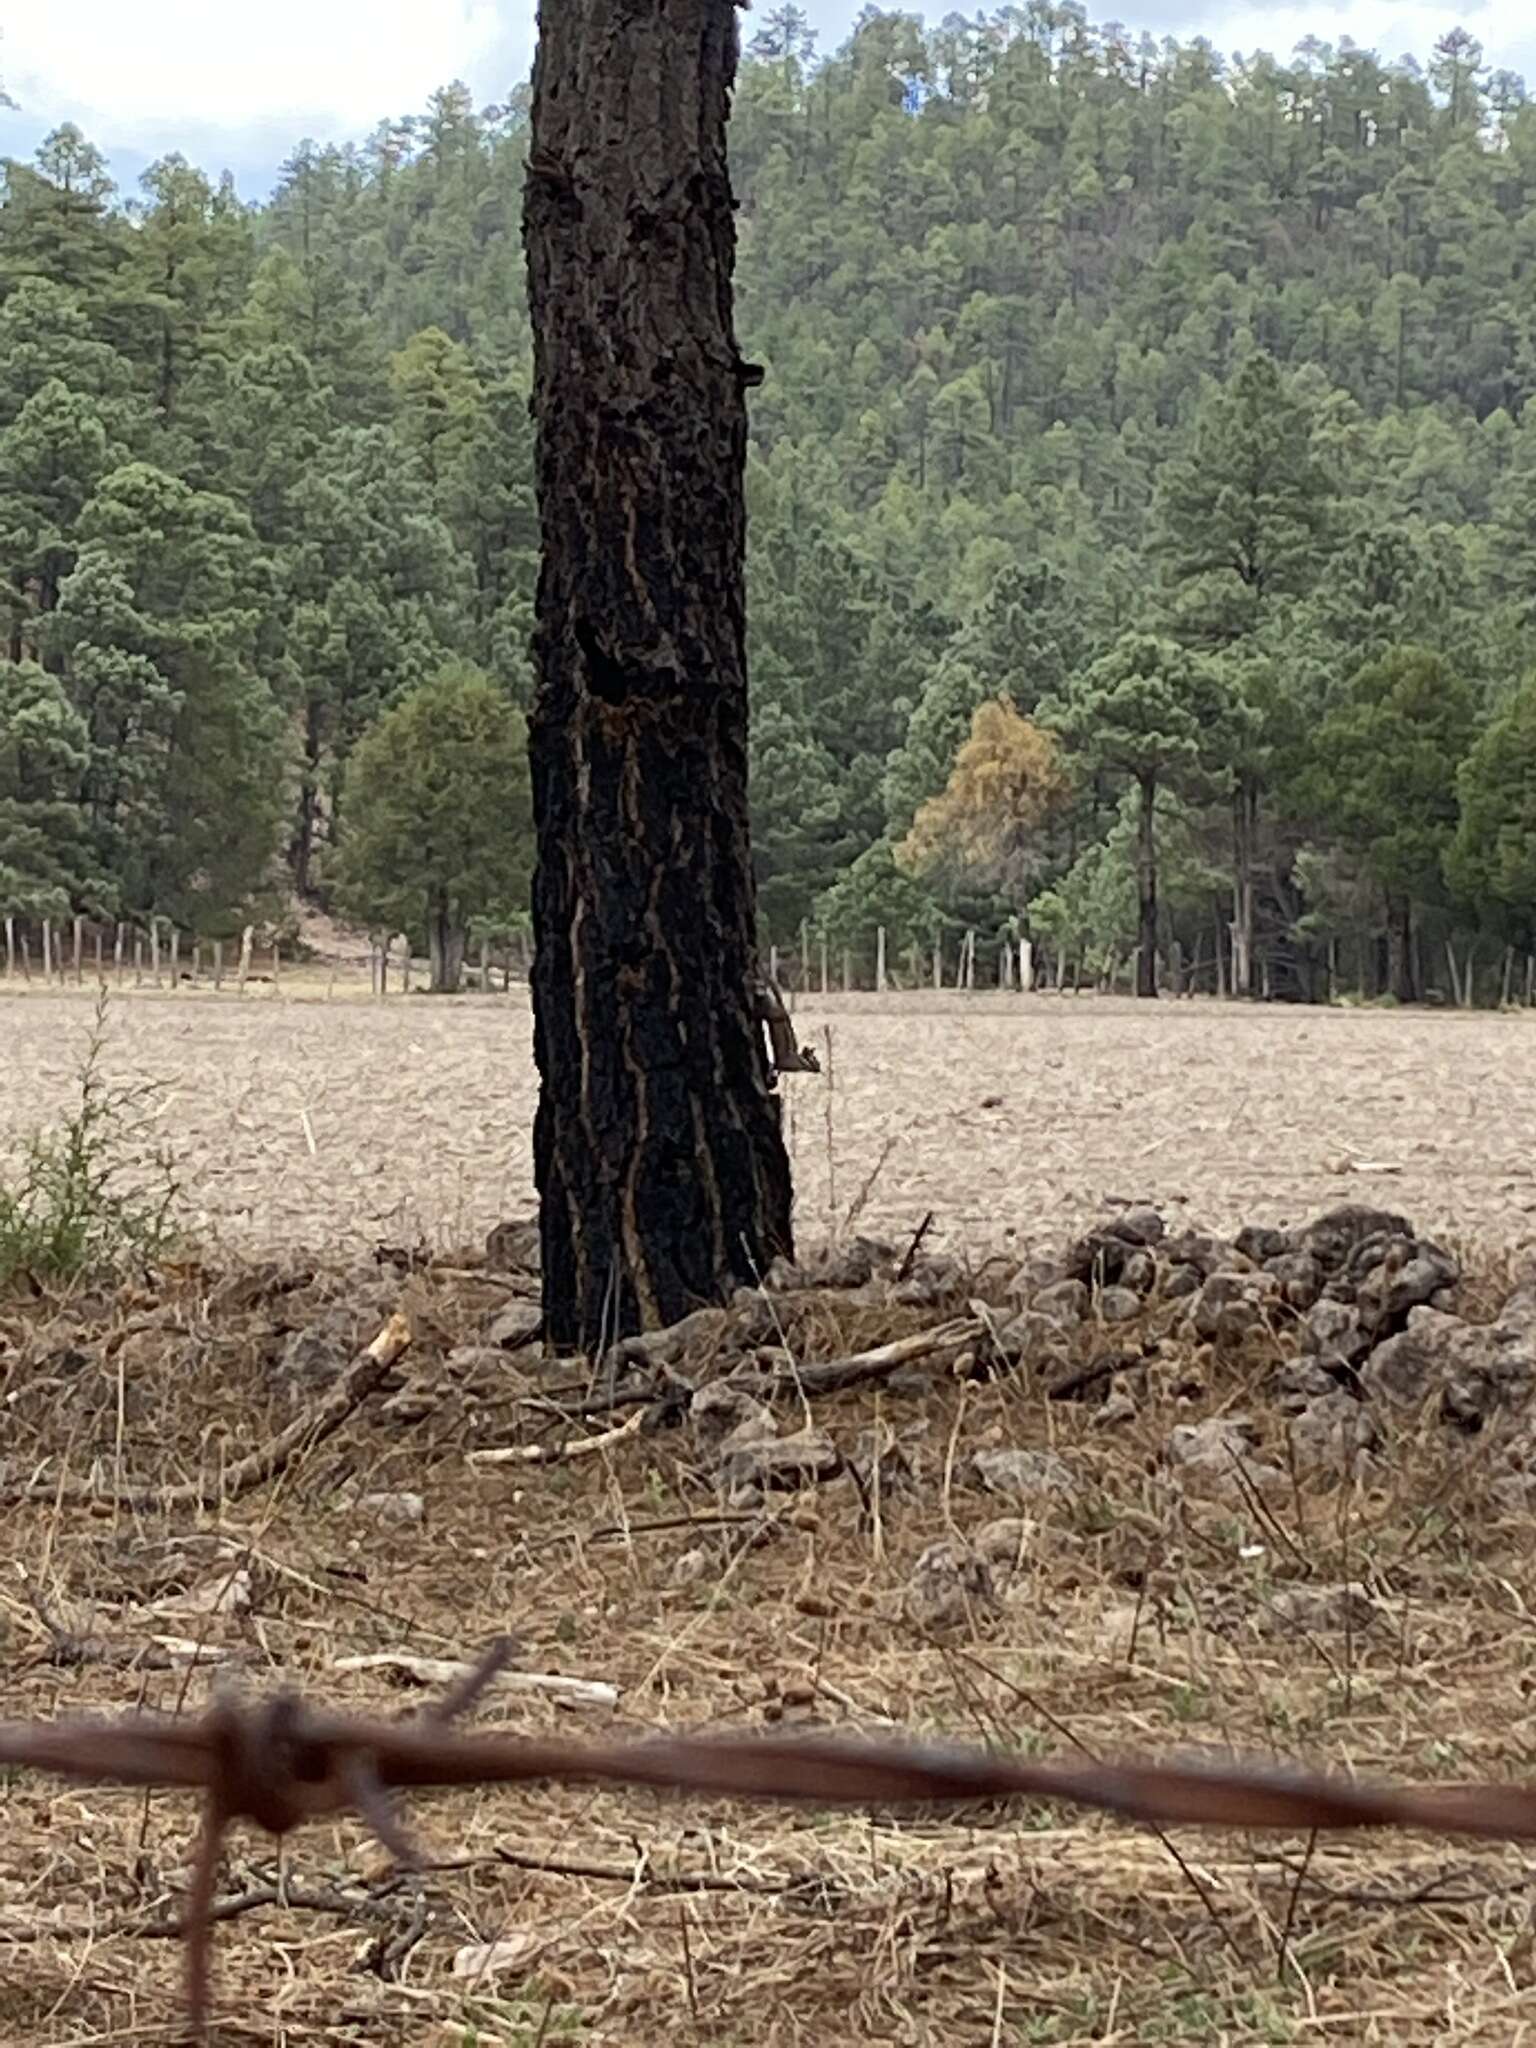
x: 662, y: 1173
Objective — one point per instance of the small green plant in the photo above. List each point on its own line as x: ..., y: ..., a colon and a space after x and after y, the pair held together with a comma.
x: 93, y: 1193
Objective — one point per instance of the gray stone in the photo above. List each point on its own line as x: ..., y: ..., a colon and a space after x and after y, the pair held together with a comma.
x: 1314, y: 1610
x: 1300, y: 1278
x: 395, y: 1508
x: 516, y: 1325
x: 778, y: 1463
x: 1118, y: 1305
x: 1333, y: 1434
x: 1139, y: 1273
x: 1067, y: 1301
x: 722, y: 1413
x: 1231, y: 1306
x: 1024, y: 1475
x: 1257, y: 1241
x: 1118, y: 1407
x: 1332, y: 1332
x: 1408, y: 1276
x: 1139, y: 1226
x: 515, y: 1246
x: 1181, y: 1281
x: 1332, y: 1237
x: 949, y: 1585
x: 1477, y: 1369
x: 1213, y: 1445
x: 1030, y: 1339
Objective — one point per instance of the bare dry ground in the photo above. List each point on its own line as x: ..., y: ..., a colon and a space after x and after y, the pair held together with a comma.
x: 1136, y: 1613
x: 307, y: 1122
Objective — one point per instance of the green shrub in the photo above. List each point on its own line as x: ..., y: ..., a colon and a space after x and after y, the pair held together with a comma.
x: 93, y: 1194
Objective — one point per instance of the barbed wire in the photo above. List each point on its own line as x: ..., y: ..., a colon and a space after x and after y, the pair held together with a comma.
x: 280, y: 1763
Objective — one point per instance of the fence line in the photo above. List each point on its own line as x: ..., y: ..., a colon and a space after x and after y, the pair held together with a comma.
x: 279, y: 1765
x: 158, y: 953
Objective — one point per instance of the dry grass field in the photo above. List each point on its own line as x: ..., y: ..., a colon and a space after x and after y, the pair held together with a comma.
x: 307, y: 1122
x: 1140, y: 1609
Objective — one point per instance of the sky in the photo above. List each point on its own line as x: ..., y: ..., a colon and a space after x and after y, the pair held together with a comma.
x: 234, y: 85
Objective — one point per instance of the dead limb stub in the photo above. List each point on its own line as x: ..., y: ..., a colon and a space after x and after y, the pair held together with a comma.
x: 784, y: 1055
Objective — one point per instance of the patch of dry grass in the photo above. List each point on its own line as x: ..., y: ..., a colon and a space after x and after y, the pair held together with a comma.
x: 1138, y: 1620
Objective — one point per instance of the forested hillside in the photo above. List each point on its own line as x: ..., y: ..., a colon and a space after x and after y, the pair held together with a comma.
x: 1143, y: 498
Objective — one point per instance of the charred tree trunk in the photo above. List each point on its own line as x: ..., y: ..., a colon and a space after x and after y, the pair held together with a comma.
x: 1146, y: 888
x: 445, y: 946
x: 662, y: 1173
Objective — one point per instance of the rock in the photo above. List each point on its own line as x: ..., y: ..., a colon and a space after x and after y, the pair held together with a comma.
x: 1408, y: 1276
x: 1032, y: 1339
x: 949, y: 1584
x: 1231, y: 1306
x: 320, y: 1353
x: 1196, y: 1248
x: 930, y: 1283
x: 843, y: 1266
x: 516, y: 1325
x: 1139, y: 1226
x: 1067, y: 1301
x: 768, y: 1464
x: 395, y: 1508
x: 1118, y: 1305
x: 1258, y: 1242
x: 1118, y: 1407
x: 1298, y: 1381
x: 1478, y: 1369
x: 1213, y: 1443
x: 1139, y: 1273
x: 515, y: 1247
x: 1006, y: 1541
x: 1098, y: 1259
x: 1333, y: 1434
x: 1332, y: 1237
x: 692, y: 1566
x: 1332, y: 1332
x: 722, y: 1413
x: 1300, y: 1278
x: 1181, y: 1281
x: 1025, y: 1475
x: 1310, y: 1610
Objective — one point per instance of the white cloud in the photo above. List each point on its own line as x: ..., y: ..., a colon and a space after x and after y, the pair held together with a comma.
x: 326, y: 67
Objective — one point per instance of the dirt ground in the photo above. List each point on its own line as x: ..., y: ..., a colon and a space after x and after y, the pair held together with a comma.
x: 1138, y: 1615
x: 306, y: 1122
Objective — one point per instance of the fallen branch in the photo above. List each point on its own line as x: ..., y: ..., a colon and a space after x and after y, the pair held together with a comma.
x: 644, y: 1878
x: 943, y: 1341
x: 327, y: 1415
x: 556, y: 1454
x: 587, y: 1692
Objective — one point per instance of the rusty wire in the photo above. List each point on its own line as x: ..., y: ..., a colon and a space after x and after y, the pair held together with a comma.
x: 279, y: 1763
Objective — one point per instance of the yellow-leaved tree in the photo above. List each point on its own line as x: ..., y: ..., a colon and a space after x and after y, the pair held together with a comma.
x: 989, y: 821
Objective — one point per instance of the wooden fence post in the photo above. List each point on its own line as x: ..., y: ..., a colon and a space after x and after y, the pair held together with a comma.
x: 246, y: 937
x: 218, y: 965
x: 79, y: 975
x: 175, y: 961
x: 277, y: 962
x: 1005, y: 965
x: 938, y: 961
x: 823, y: 963
x: 805, y: 954
x: 10, y: 949
x: 485, y: 966
x: 880, y: 960
x: 96, y: 938
x: 196, y: 969
x: 847, y: 970
x: 405, y: 962
x: 26, y: 958
x: 154, y: 951
x: 47, y: 951
x: 1026, y: 966
x: 138, y: 959
x: 117, y: 953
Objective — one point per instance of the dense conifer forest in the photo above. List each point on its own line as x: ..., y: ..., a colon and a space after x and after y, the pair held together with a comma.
x: 1142, y: 499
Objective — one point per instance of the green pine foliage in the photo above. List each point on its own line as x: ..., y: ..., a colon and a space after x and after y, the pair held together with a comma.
x: 1187, y: 399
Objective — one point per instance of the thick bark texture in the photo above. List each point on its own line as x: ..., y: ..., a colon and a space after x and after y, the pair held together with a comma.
x: 662, y: 1173
x: 1146, y: 888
